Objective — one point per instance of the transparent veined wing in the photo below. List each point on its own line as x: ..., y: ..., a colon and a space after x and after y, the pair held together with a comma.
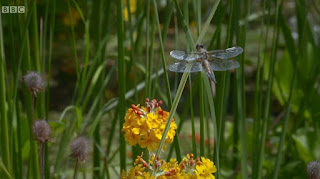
x: 215, y: 51
x: 181, y: 66
x: 225, y: 54
x: 182, y: 55
x: 223, y: 65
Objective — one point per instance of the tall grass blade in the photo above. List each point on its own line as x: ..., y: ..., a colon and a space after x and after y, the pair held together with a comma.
x: 193, y: 131
x: 47, y: 94
x: 122, y: 88
x: 212, y: 109
x: 293, y: 55
x: 185, y: 74
x: 240, y: 81
x: 176, y: 141
x: 202, y: 116
x: 266, y: 115
x: 3, y: 167
x: 5, y: 141
x: 148, y: 59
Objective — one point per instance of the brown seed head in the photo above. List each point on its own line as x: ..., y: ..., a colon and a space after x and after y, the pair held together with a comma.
x: 34, y: 82
x: 41, y: 131
x: 313, y: 169
x: 80, y: 148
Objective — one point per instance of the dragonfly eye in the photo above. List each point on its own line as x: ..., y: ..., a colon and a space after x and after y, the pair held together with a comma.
x: 199, y: 46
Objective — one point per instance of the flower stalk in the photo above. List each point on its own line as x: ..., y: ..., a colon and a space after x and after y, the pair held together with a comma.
x: 80, y: 148
x: 41, y: 131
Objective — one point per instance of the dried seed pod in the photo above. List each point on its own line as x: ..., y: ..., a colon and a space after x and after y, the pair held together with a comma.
x: 80, y: 148
x: 41, y: 131
x: 313, y: 169
x: 34, y: 82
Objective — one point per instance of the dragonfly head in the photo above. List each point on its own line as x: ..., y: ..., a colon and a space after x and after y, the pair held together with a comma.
x: 199, y: 46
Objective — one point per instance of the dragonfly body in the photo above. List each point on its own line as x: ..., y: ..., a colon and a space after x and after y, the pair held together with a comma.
x: 205, y: 63
x: 209, y: 61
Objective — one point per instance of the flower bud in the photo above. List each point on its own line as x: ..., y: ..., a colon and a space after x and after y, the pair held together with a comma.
x: 313, y: 169
x: 34, y: 82
x: 41, y: 131
x: 80, y: 148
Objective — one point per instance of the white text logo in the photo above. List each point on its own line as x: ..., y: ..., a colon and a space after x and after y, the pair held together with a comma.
x: 13, y: 9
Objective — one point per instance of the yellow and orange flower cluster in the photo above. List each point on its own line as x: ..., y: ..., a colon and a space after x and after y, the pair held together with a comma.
x: 189, y: 168
x: 145, y: 126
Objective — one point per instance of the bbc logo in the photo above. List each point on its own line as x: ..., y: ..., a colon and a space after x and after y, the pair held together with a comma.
x: 13, y: 9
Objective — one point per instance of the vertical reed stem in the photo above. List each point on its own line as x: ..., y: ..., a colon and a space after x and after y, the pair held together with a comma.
x: 76, y: 169
x: 41, y: 158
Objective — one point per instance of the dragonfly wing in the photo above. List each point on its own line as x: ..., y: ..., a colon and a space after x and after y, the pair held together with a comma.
x: 177, y: 54
x: 223, y: 65
x: 182, y: 55
x: 215, y: 51
x: 228, y: 53
x: 192, y: 56
x: 181, y: 66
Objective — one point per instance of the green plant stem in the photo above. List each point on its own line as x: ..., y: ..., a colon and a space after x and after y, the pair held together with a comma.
x: 194, y: 143
x: 258, y: 91
x: 5, y: 145
x: 174, y: 107
x: 241, y: 103
x: 151, y: 54
x: 284, y: 128
x: 293, y: 55
x: 201, y: 105
x: 132, y: 52
x: 52, y: 12
x: 148, y: 81
x: 185, y: 74
x: 41, y: 159
x: 176, y: 139
x: 122, y: 90
x: 73, y: 42
x: 35, y: 36
x: 75, y: 169
x: 212, y: 109
x: 268, y: 95
x: 163, y: 55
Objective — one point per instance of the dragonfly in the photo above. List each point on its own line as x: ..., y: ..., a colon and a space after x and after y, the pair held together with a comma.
x: 209, y: 61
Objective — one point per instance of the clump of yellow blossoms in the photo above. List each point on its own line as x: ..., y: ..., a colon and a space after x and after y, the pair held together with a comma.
x: 189, y: 168
x: 145, y: 126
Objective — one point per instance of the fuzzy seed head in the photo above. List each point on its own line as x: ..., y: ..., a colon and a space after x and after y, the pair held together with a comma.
x: 41, y: 131
x: 80, y: 148
x: 313, y: 169
x: 34, y: 82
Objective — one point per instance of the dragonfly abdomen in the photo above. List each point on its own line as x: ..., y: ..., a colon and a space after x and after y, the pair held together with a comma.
x: 207, y: 68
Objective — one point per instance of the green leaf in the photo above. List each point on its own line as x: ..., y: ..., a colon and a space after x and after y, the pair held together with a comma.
x: 307, y: 144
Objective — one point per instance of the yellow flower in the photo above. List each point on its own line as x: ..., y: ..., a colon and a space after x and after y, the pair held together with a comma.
x: 133, y: 9
x: 171, y: 169
x: 171, y: 164
x: 131, y: 138
x: 209, y: 165
x: 205, y: 169
x: 123, y: 175
x: 149, y: 141
x: 147, y: 175
x: 145, y: 126
x: 135, y: 172
x: 188, y: 175
x: 189, y: 168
